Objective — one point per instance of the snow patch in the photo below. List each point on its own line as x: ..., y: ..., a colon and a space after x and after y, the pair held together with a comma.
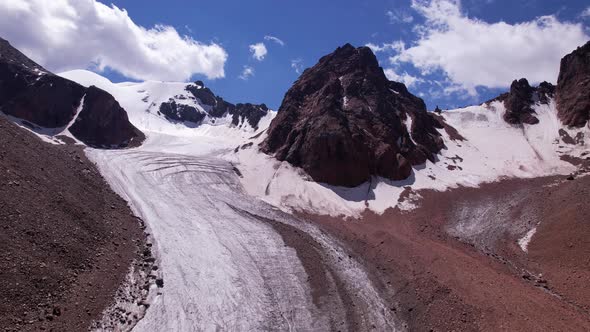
x: 526, y: 239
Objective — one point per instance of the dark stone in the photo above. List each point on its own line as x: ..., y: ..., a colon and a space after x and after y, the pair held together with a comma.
x: 30, y: 92
x: 573, y: 88
x: 40, y: 98
x: 103, y: 123
x: 219, y: 108
x: 160, y: 282
x: 521, y: 98
x: 248, y: 112
x: 181, y: 112
x: 203, y: 94
x: 518, y: 103
x: 545, y: 92
x: 343, y: 122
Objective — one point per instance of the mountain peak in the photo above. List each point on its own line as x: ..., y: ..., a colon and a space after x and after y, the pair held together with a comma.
x: 343, y: 122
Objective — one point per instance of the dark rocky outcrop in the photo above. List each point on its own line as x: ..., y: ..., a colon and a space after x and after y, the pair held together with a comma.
x: 248, y: 112
x: 215, y: 106
x: 573, y: 88
x: 343, y: 122
x: 545, y: 92
x: 181, y: 112
x: 520, y: 99
x: 31, y: 93
x: 103, y: 123
x: 518, y: 103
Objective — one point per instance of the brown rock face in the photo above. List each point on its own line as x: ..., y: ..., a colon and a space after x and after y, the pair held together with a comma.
x: 521, y: 98
x: 31, y: 93
x: 518, y: 103
x: 343, y: 122
x: 573, y: 88
x: 103, y: 123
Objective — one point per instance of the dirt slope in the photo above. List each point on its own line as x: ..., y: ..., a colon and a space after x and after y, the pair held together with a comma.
x: 66, y: 240
x: 441, y: 275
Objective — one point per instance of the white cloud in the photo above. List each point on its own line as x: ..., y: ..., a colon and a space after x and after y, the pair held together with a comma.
x: 586, y: 13
x: 247, y: 72
x: 475, y: 53
x: 73, y: 34
x: 275, y: 39
x: 396, y: 46
x: 259, y: 51
x: 405, y: 78
x: 297, y: 65
x: 399, y: 16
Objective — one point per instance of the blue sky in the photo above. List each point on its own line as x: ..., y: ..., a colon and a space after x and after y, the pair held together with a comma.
x: 432, y: 32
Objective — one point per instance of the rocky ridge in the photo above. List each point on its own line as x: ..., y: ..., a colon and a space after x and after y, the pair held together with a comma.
x: 183, y: 107
x: 44, y: 100
x: 343, y: 122
x: 520, y: 99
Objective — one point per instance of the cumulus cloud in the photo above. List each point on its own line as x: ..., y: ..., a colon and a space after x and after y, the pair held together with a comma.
x: 247, y: 72
x: 405, y: 78
x: 259, y: 51
x: 473, y: 53
x: 586, y: 13
x: 396, y: 46
x: 297, y: 65
x: 399, y: 16
x: 73, y: 34
x: 275, y: 39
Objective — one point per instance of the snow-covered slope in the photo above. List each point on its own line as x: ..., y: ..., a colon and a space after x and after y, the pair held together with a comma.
x: 492, y: 150
x: 142, y: 102
x: 224, y: 265
x: 204, y: 190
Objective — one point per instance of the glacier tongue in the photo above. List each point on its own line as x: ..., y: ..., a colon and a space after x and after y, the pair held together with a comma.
x: 224, y: 267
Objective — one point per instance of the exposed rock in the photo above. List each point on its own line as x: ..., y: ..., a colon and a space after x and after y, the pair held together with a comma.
x: 545, y: 92
x: 215, y: 107
x: 40, y: 98
x: 343, y: 122
x: 248, y: 112
x: 205, y: 95
x: 57, y: 226
x: 181, y: 112
x: 30, y: 92
x: 520, y: 99
x: 103, y: 123
x: 518, y: 103
x: 573, y: 88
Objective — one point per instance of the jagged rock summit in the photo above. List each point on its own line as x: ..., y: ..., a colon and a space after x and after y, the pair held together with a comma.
x: 41, y: 99
x: 573, y: 88
x: 178, y: 109
x: 522, y: 97
x: 343, y: 122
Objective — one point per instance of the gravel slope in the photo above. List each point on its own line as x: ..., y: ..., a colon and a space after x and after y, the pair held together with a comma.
x: 67, y: 241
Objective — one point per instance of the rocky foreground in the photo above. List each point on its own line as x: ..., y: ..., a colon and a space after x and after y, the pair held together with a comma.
x: 455, y: 263
x: 67, y: 241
